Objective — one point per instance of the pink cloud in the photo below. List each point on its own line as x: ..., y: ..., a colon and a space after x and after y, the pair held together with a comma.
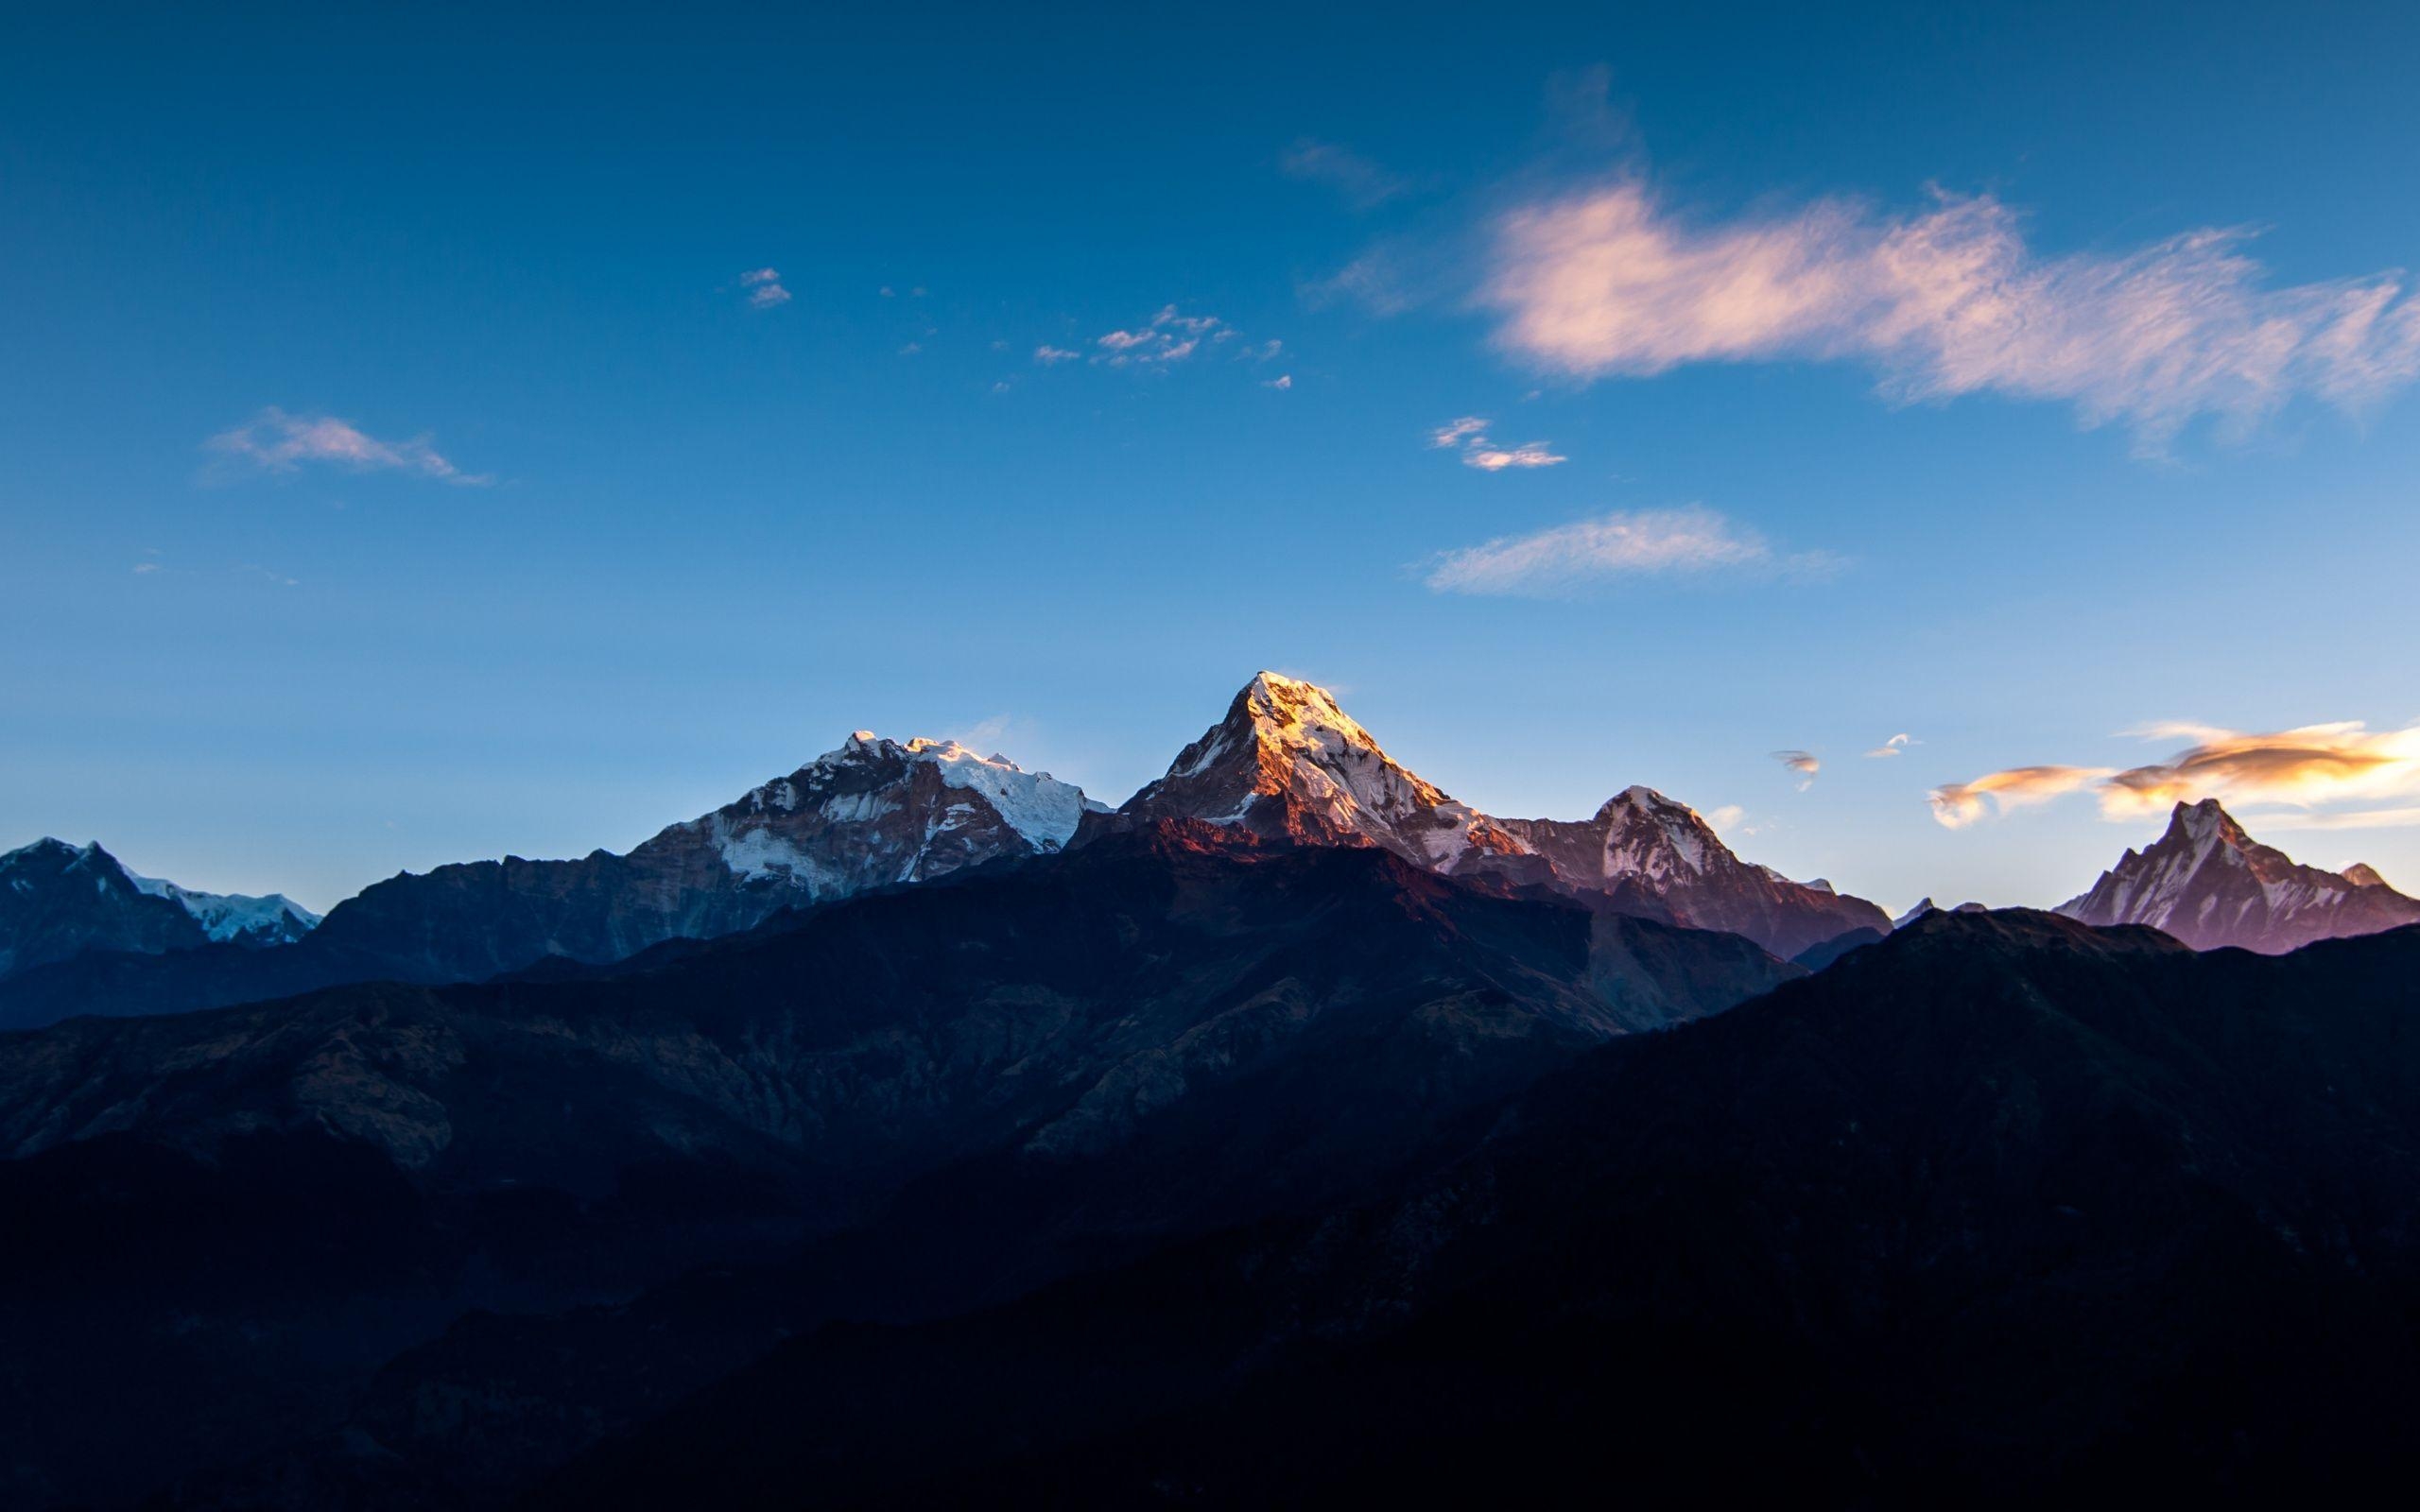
x: 1950, y: 301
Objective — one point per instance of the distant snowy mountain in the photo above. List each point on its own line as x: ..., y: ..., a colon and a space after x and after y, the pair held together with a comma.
x: 234, y: 917
x: 2207, y: 882
x: 1288, y: 764
x: 870, y: 814
x: 60, y: 900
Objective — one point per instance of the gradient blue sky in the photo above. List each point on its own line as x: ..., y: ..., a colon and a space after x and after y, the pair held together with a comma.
x: 693, y: 537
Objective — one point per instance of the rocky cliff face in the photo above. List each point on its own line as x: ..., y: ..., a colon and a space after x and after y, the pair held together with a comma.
x: 1288, y: 764
x: 2207, y: 882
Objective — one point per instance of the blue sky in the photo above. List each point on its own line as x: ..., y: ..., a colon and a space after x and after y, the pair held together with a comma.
x: 399, y: 466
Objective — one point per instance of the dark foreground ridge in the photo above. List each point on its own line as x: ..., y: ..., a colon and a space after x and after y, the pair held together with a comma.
x: 946, y: 1094
x: 2003, y: 1210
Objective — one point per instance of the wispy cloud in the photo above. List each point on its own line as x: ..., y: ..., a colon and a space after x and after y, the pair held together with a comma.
x: 1496, y: 459
x: 2310, y: 768
x: 1283, y: 381
x: 1049, y: 355
x: 1896, y: 746
x: 1171, y: 336
x: 276, y: 441
x: 1470, y: 434
x: 765, y: 289
x: 1803, y: 763
x: 1725, y: 818
x: 1946, y: 302
x: 1959, y: 804
x: 1624, y: 544
x: 1363, y: 183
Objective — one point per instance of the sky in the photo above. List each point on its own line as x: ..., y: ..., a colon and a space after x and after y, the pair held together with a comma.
x: 1928, y: 444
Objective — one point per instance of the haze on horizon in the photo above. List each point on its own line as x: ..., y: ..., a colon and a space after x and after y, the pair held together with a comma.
x: 1930, y: 446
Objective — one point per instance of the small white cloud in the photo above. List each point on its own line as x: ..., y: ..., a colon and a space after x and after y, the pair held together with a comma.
x: 276, y: 441
x: 1470, y: 433
x: 142, y: 567
x: 764, y: 287
x: 1803, y: 763
x: 1727, y: 818
x: 1896, y: 746
x: 1191, y: 324
x: 912, y: 349
x: 1496, y: 459
x: 1128, y: 341
x: 1283, y: 381
x: 1047, y: 355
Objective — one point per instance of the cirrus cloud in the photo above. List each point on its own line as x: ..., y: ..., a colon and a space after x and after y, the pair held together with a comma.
x: 1363, y: 183
x: 1950, y: 301
x: 1625, y: 543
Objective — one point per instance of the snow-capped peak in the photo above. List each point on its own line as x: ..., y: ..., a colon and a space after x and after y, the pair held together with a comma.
x: 2208, y: 883
x: 1650, y: 836
x: 875, y: 811
x: 1289, y: 761
x: 273, y: 919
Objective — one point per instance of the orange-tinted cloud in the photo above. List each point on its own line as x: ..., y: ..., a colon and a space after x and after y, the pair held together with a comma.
x: 1959, y: 804
x: 2307, y: 769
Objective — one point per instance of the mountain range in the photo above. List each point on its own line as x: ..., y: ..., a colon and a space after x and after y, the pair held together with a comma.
x: 915, y: 1131
x: 1286, y: 764
x: 80, y: 934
